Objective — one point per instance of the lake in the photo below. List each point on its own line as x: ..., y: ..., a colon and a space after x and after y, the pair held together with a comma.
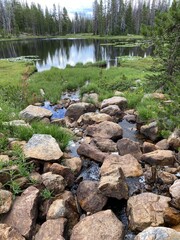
x: 62, y: 52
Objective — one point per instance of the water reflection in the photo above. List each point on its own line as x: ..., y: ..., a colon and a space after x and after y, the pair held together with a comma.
x: 61, y: 52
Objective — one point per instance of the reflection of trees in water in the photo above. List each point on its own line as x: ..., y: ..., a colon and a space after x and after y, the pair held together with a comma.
x: 60, y: 49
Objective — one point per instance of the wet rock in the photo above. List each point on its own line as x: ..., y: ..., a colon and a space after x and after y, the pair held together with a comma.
x: 92, y: 118
x: 32, y: 113
x: 129, y: 165
x: 114, y: 111
x: 146, y: 209
x: 121, y: 102
x: 150, y: 131
x: 75, y: 110
x: 91, y: 151
x: 57, y: 209
x: 53, y: 182
x: 153, y: 233
x: 52, y: 230
x: 75, y: 164
x: 166, y: 178
x: 105, y: 145
x: 43, y: 147
x: 175, y: 193
x: 172, y: 216
x: 89, y: 197
x: 163, y: 144
x: 6, y: 200
x: 100, y: 226
x: 65, y: 172
x: 174, y: 139
x: 24, y: 212
x: 112, y: 184
x: 106, y: 129
x: 149, y: 147
x: 90, y: 97
x: 9, y: 233
x: 159, y: 157
x: 127, y: 146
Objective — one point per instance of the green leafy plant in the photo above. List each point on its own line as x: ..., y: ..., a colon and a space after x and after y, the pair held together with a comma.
x: 46, y: 194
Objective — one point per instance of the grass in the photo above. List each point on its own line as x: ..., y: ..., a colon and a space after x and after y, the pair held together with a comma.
x: 102, y: 81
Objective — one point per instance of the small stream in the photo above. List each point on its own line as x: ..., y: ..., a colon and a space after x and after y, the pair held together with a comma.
x: 91, y: 170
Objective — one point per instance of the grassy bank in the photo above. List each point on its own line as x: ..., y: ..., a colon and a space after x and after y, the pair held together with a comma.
x: 77, y: 36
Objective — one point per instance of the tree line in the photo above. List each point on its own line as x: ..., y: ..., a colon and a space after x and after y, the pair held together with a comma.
x: 110, y: 17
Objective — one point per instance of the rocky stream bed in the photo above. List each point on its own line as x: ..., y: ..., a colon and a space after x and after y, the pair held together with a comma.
x: 116, y: 180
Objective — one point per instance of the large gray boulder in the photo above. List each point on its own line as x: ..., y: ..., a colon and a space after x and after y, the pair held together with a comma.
x: 34, y: 113
x: 43, y: 147
x: 23, y: 214
x: 103, y: 225
x: 158, y: 233
x: 75, y: 110
x: 106, y: 129
x: 145, y: 210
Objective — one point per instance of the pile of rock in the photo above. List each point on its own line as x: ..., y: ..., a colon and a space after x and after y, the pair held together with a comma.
x: 78, y: 209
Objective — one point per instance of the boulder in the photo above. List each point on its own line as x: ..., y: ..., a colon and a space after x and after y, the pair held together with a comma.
x: 89, y: 197
x: 65, y: 172
x: 145, y: 210
x: 121, y: 102
x: 149, y: 147
x: 57, y: 209
x: 105, y: 145
x: 52, y: 229
x: 127, y: 146
x: 172, y: 216
x: 163, y: 144
x: 114, y: 111
x: 150, y: 131
x: 155, y: 233
x: 91, y: 151
x: 106, y: 129
x: 129, y: 165
x: 33, y: 113
x: 100, y: 226
x: 93, y: 117
x: 174, y: 139
x: 23, y: 214
x: 175, y: 193
x: 53, y: 182
x: 75, y: 164
x: 112, y: 184
x: 159, y: 157
x: 4, y: 158
x: 43, y: 147
x: 90, y: 97
x: 75, y: 110
x: 9, y: 233
x: 6, y: 200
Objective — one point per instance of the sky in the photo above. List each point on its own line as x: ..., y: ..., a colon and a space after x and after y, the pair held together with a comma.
x: 70, y: 5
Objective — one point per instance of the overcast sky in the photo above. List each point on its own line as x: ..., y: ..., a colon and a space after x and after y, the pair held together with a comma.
x: 71, y: 5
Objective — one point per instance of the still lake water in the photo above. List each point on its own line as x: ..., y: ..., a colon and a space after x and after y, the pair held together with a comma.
x: 61, y: 52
